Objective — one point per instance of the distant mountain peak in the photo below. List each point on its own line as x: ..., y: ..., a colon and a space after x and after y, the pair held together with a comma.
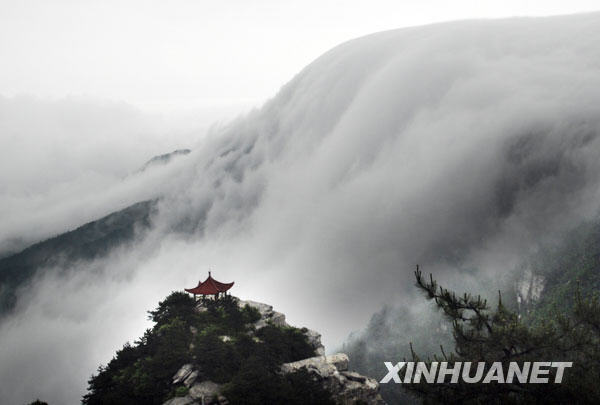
x: 164, y: 159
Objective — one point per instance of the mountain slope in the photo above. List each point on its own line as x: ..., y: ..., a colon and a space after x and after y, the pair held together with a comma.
x: 164, y: 158
x: 89, y: 241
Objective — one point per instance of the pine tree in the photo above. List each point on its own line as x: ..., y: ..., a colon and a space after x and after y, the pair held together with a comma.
x: 482, y: 334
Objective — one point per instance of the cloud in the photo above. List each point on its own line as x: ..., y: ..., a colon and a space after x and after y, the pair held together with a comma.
x: 68, y: 161
x: 459, y: 146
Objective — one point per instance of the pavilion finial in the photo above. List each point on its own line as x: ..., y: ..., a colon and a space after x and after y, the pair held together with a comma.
x: 209, y: 273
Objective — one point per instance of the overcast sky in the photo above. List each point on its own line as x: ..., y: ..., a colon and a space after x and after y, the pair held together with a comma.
x: 187, y: 55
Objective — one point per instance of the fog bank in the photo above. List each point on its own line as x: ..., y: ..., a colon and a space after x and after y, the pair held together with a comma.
x: 459, y: 146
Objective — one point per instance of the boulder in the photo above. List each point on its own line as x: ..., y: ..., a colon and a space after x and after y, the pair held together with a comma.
x: 358, y: 388
x: 191, y: 379
x: 205, y: 390
x: 183, y: 373
x: 339, y: 360
x: 319, y: 365
x: 278, y: 319
x: 314, y: 339
x: 346, y: 387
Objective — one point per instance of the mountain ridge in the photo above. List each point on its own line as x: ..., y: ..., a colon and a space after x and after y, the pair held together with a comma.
x: 86, y: 242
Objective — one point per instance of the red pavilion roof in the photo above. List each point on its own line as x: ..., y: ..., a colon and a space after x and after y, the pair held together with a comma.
x: 210, y: 286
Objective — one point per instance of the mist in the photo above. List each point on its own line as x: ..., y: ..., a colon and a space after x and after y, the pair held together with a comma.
x: 68, y: 161
x: 460, y: 146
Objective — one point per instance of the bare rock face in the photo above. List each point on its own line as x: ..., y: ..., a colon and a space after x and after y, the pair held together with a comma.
x: 183, y: 373
x: 347, y: 387
x: 205, y: 392
x: 267, y: 315
x: 324, y: 365
x: 191, y: 378
x: 314, y: 339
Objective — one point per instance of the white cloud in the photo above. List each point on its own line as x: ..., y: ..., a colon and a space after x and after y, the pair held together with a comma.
x: 457, y: 146
x: 68, y: 161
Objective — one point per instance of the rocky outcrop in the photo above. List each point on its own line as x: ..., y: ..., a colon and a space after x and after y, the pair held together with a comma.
x: 269, y: 316
x: 184, y: 373
x: 314, y: 338
x: 347, y: 387
x: 205, y: 392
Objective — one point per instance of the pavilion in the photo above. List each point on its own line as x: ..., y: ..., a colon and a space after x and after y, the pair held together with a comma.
x: 210, y: 287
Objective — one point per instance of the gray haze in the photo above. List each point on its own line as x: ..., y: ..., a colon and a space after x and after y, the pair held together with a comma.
x: 68, y: 161
x: 458, y: 146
